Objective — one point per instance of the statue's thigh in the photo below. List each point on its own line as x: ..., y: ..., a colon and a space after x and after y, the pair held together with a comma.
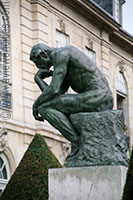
x: 66, y: 103
x: 89, y: 101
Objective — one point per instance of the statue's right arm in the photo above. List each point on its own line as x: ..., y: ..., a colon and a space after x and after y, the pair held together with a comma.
x: 54, y: 89
x: 40, y: 75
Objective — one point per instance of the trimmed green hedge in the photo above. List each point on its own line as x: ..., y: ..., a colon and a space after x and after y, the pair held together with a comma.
x: 128, y: 188
x: 30, y: 179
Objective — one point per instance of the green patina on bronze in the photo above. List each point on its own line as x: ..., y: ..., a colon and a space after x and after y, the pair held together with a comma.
x: 72, y: 68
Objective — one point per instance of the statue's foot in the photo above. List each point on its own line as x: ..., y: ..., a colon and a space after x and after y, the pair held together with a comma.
x: 74, y: 149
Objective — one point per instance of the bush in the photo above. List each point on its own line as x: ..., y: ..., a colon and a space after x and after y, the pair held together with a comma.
x: 30, y: 179
x: 128, y: 188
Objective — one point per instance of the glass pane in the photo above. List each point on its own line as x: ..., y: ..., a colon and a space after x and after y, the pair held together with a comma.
x: 1, y: 162
x: 0, y: 68
x: 120, y: 102
x: 4, y: 172
x: 4, y: 169
x: 61, y: 39
x: 122, y: 105
x: 0, y: 175
x: 91, y: 54
x: 0, y: 192
x: 1, y: 56
x: 121, y: 83
x: 1, y: 21
x: 5, y: 100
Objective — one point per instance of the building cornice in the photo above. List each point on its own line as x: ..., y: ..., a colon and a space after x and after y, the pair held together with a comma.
x: 97, y: 15
x: 44, y: 3
x: 89, y: 7
x: 101, y: 18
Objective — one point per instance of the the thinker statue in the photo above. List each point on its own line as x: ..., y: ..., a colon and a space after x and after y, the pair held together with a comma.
x: 72, y: 68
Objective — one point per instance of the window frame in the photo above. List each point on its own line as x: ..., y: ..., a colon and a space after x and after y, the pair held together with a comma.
x: 57, y: 41
x: 3, y: 182
x: 124, y: 95
x: 121, y: 76
x: 90, y: 50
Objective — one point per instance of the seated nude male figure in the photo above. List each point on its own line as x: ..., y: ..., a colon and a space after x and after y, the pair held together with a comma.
x: 72, y: 68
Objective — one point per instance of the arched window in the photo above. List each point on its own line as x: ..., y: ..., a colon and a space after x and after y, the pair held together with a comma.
x: 122, y: 96
x: 121, y: 90
x: 5, y: 86
x: 121, y: 85
x: 4, y: 172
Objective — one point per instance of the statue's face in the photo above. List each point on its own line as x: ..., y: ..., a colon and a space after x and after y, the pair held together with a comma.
x: 42, y: 61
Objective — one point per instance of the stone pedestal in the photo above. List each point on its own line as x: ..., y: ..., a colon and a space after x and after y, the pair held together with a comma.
x: 102, y: 140
x: 87, y: 183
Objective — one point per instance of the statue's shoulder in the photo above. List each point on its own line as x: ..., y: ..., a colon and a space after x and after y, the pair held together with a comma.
x: 67, y: 50
x: 70, y: 48
x: 64, y: 51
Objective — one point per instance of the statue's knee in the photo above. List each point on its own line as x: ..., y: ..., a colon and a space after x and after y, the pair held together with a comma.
x: 41, y: 109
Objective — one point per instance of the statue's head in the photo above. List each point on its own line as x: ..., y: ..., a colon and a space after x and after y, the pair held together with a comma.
x: 40, y: 55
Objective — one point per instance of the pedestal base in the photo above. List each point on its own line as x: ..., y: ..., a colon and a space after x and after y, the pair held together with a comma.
x: 87, y: 183
x: 102, y: 139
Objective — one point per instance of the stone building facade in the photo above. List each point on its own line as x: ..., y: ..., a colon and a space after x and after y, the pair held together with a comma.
x: 94, y: 29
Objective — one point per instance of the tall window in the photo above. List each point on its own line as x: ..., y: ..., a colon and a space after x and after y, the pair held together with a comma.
x: 4, y: 172
x: 91, y: 54
x: 61, y: 39
x: 5, y: 86
x: 122, y: 95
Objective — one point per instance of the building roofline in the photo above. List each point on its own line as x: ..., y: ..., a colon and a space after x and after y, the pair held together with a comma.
x: 126, y: 32
x: 109, y: 15
x: 104, y: 11
x: 89, y: 7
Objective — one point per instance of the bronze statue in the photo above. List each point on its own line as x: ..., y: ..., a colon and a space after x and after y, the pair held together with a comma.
x: 72, y: 68
x: 85, y: 118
